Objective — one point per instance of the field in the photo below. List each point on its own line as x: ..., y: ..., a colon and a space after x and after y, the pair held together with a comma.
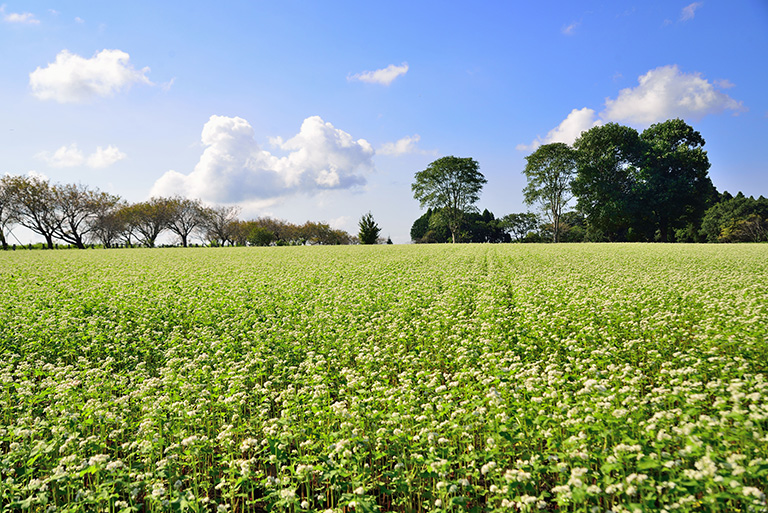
x: 584, y: 378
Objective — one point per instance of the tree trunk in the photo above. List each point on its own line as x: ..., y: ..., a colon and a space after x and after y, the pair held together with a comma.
x: 49, y: 241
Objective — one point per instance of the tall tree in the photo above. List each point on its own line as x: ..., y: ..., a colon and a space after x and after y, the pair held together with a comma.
x: 550, y: 170
x: 451, y: 184
x: 6, y: 208
x: 369, y: 230
x: 110, y: 223
x: 185, y: 216
x: 676, y: 188
x: 608, y: 159
x: 34, y: 205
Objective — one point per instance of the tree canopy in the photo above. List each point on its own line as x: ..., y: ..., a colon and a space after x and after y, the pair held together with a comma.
x: 369, y: 229
x: 452, y: 185
x: 549, y: 171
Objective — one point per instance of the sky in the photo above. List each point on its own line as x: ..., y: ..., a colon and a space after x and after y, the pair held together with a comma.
x: 323, y: 111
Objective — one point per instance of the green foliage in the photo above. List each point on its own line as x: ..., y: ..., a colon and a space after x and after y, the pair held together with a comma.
x: 432, y: 227
x: 369, y: 230
x: 550, y: 170
x: 467, y: 377
x: 736, y: 219
x: 451, y: 185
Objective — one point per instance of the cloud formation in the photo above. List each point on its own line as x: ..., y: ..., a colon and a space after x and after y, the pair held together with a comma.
x: 401, y: 146
x: 666, y: 92
x: 74, y: 79
x: 662, y: 93
x: 23, y: 18
x: 72, y: 156
x: 689, y: 11
x: 381, y: 76
x: 578, y: 121
x: 233, y: 168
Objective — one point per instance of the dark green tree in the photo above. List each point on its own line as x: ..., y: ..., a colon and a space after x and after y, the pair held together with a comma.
x: 608, y: 160
x: 676, y: 189
x: 34, y: 206
x: 520, y: 225
x: 451, y: 184
x: 369, y: 230
x: 550, y: 170
x: 735, y: 219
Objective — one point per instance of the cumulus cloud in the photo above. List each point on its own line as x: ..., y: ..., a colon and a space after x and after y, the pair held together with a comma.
x: 578, y: 121
x: 689, y: 11
x: 381, y: 76
x: 662, y: 93
x: 233, y: 168
x: 401, y: 146
x: 72, y: 156
x: 23, y: 18
x: 666, y: 92
x: 73, y: 79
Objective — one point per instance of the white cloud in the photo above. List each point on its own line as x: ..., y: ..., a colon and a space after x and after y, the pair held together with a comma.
x: 381, y: 76
x: 105, y: 157
x: 72, y: 156
x: 689, y: 11
x: 233, y: 168
x: 666, y: 92
x: 662, y: 93
x: 401, y: 146
x: 13, y: 17
x: 78, y: 19
x: 578, y: 121
x: 72, y: 79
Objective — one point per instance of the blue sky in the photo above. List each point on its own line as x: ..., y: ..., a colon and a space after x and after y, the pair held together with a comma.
x: 325, y: 110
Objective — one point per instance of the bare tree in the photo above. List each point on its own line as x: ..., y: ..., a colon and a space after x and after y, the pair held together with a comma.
x: 219, y: 224
x: 34, y: 205
x: 185, y: 216
x: 78, y: 208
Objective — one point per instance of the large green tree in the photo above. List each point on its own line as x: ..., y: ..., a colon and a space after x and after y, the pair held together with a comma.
x: 452, y: 185
x: 550, y: 170
x: 676, y: 189
x: 608, y: 159
x: 34, y: 206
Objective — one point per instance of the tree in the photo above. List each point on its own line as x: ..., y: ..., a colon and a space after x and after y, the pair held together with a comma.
x: 676, y: 189
x: 185, y: 216
x: 369, y: 230
x: 150, y: 218
x: 6, y: 208
x: 109, y: 223
x: 608, y: 159
x: 219, y: 223
x: 550, y: 170
x: 78, y: 208
x: 34, y: 205
x: 520, y: 225
x: 451, y: 184
x: 734, y: 218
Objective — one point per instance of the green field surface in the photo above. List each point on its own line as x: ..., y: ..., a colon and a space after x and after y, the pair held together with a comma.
x: 587, y: 378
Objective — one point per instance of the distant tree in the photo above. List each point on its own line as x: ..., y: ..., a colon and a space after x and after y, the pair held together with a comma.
x: 109, y: 223
x: 185, y: 216
x: 150, y: 218
x: 452, y: 185
x: 259, y: 236
x: 369, y: 230
x: 6, y: 209
x: 606, y: 183
x: 78, y: 208
x: 735, y: 219
x: 33, y: 205
x: 550, y: 170
x: 520, y: 225
x: 219, y: 223
x: 675, y: 186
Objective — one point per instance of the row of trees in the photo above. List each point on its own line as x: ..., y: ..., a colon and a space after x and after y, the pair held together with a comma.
x: 78, y: 215
x: 628, y: 186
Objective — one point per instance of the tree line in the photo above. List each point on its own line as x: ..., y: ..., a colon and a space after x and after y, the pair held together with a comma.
x: 78, y: 215
x: 628, y: 186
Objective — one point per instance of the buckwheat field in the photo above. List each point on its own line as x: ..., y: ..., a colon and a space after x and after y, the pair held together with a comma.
x: 588, y: 378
